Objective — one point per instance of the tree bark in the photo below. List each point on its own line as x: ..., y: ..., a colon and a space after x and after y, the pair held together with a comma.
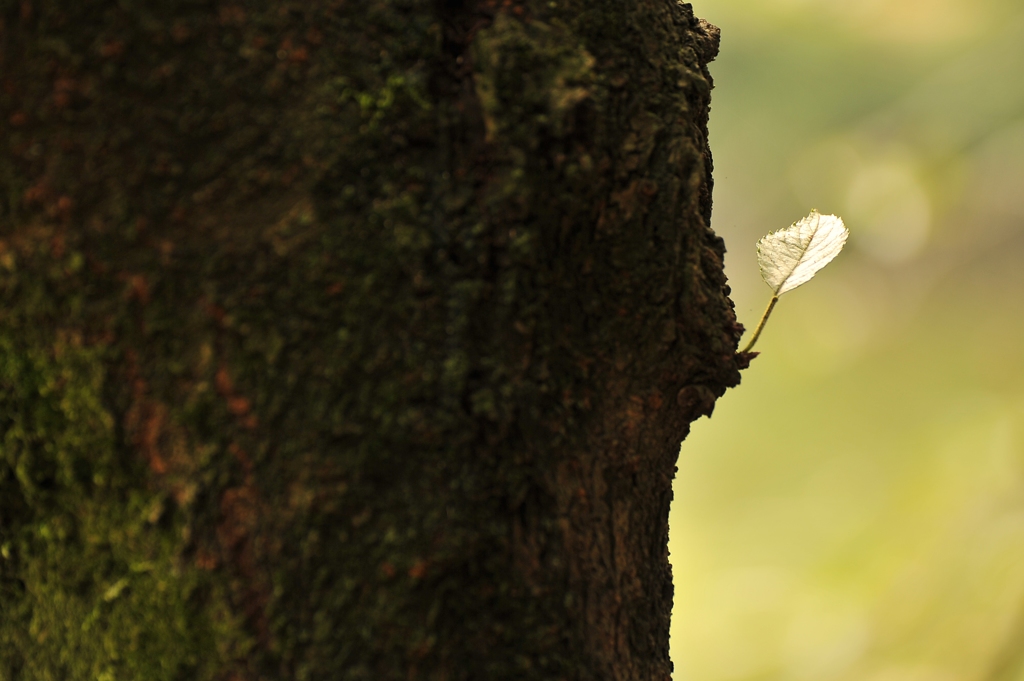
x: 350, y: 339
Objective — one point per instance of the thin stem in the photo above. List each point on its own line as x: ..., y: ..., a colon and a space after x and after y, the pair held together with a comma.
x: 760, y: 324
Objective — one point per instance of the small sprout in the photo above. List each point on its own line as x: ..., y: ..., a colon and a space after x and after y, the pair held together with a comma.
x: 791, y: 256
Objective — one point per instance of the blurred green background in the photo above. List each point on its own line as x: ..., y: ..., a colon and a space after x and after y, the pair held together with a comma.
x: 855, y: 509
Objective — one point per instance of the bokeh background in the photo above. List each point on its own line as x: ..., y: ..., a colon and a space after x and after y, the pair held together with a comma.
x: 855, y: 509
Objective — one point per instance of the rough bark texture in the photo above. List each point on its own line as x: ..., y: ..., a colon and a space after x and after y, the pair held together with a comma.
x: 350, y: 339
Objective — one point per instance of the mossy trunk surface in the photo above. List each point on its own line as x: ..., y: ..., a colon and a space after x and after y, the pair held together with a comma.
x: 350, y: 340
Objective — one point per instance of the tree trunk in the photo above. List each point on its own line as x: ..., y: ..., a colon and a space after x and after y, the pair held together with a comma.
x: 350, y: 339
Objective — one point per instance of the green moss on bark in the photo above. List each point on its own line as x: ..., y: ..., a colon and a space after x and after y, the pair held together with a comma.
x: 93, y: 585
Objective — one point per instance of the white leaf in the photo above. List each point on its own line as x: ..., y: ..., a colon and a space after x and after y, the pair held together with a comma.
x: 791, y: 256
